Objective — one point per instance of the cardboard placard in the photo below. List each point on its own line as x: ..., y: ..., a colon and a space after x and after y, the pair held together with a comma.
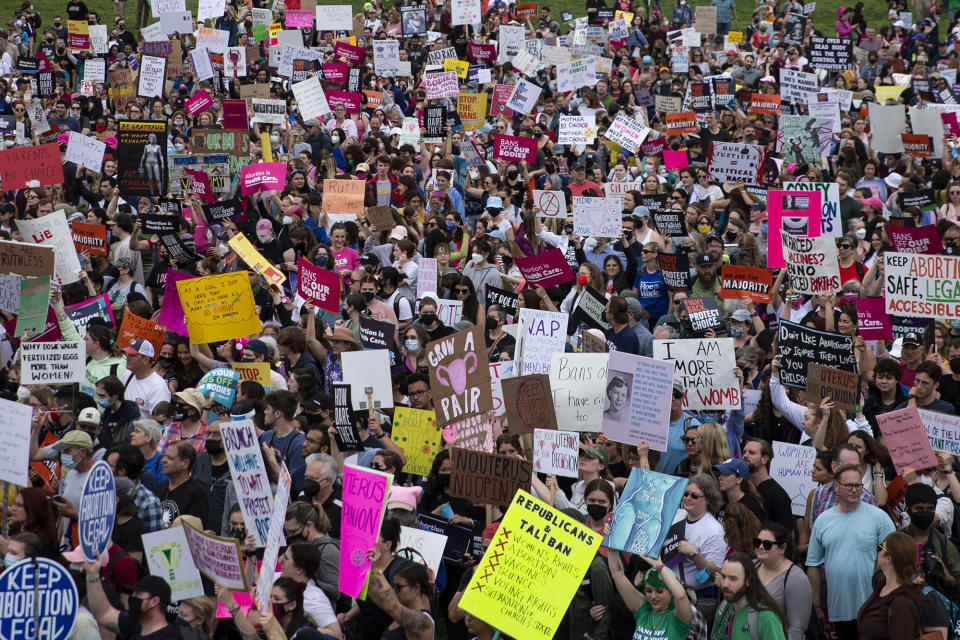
x: 800, y: 345
x: 364, y: 498
x: 738, y: 281
x: 637, y: 400
x: 921, y: 286
x: 249, y: 475
x: 556, y: 452
x: 53, y: 362
x: 704, y: 315
x: 528, y: 403
x: 702, y: 365
x: 487, y: 478
x: 346, y: 433
x: 343, y: 196
x: 645, y: 512
x: 812, y: 264
x: 460, y: 385
x: 219, y: 307
x: 843, y: 387
x: 134, y: 327
x: 415, y: 432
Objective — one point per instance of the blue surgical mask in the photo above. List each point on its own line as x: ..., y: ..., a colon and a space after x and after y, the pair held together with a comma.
x: 104, y: 402
x: 321, y: 261
x: 763, y: 228
x: 9, y: 560
x: 450, y: 225
x: 411, y: 345
x: 68, y: 462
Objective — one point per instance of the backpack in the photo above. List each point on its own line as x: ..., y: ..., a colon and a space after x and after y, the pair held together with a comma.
x: 953, y: 611
x: 753, y: 617
x: 108, y: 587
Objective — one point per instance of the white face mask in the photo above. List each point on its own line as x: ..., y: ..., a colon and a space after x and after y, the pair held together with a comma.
x: 287, y: 220
x: 179, y: 146
x: 925, y: 479
x: 224, y: 249
x: 275, y: 141
x: 264, y: 237
x: 178, y: 123
x: 477, y: 257
x: 861, y: 234
x: 335, y: 139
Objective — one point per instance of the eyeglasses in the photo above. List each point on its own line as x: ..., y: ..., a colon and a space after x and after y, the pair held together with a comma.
x: 766, y: 544
x: 677, y: 395
x: 416, y: 394
x: 692, y: 496
x: 646, y: 251
x: 846, y: 246
x: 851, y: 485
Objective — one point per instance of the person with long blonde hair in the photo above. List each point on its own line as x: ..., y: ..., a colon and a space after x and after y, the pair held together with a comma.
x: 715, y: 449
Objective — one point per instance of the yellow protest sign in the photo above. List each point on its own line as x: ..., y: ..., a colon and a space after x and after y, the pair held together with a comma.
x: 249, y: 254
x: 888, y: 92
x: 219, y: 307
x: 255, y: 371
x: 265, y: 147
x: 275, y: 28
x: 460, y: 66
x: 626, y: 16
x: 415, y: 431
x: 533, y: 567
x: 472, y: 109
x: 735, y: 37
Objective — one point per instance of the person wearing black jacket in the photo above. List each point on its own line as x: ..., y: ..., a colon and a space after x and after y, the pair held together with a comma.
x: 885, y: 392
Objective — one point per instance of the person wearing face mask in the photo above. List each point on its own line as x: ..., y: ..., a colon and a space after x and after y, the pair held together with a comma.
x: 429, y: 320
x: 379, y: 310
x: 320, y: 489
x: 481, y: 270
x: 188, y: 421
x: 940, y: 560
x: 497, y: 339
x: 267, y: 242
x: 300, y: 563
x: 306, y: 523
x: 146, y: 609
x: 213, y: 473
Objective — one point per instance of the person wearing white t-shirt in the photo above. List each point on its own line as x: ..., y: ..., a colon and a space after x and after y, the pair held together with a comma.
x: 142, y: 384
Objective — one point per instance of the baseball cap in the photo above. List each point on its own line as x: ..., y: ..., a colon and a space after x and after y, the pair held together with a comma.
x: 264, y: 226
x: 89, y: 416
x: 912, y: 339
x: 740, y: 315
x: 257, y: 346
x: 318, y: 402
x: 126, y: 490
x: 155, y: 586
x: 579, y: 164
x: 705, y: 260
x: 733, y: 467
x: 140, y: 348
x: 75, y: 438
x: 398, y: 233
x: 678, y: 387
x: 634, y: 307
x: 598, y: 452
x: 641, y: 211
x: 499, y: 235
x: 312, y: 122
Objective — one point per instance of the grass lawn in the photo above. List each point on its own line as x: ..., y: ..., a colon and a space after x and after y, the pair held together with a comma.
x: 824, y: 16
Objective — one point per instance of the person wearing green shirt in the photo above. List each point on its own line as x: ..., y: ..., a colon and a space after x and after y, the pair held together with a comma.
x: 748, y: 610
x: 661, y: 607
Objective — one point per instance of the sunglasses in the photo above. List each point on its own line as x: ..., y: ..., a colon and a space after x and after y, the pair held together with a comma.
x: 766, y: 544
x: 677, y: 395
x: 688, y: 440
x: 692, y: 496
x: 458, y: 290
x: 845, y: 246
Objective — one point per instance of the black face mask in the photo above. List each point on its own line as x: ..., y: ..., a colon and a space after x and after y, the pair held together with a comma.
x: 166, y: 363
x: 922, y: 519
x: 238, y: 533
x: 214, y: 447
x: 311, y: 488
x: 179, y: 415
x: 314, y: 418
x: 492, y: 323
x: 955, y: 365
x: 428, y: 318
x: 368, y: 295
x: 443, y: 479
x: 344, y: 314
x: 134, y: 607
x: 597, y: 511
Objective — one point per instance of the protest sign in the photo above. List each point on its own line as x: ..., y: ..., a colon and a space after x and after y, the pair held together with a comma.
x: 311, y: 100
x: 364, y: 497
x: 703, y: 314
x: 275, y: 538
x: 539, y: 335
x: 40, y: 600
x: 417, y: 543
x: 258, y: 372
x: 321, y: 286
x: 85, y: 150
x: 134, y: 327
x: 505, y: 299
x: 873, y: 323
x: 917, y: 145
x: 15, y: 419
x: 764, y: 104
x: 487, y: 478
x: 368, y: 374
x: 498, y: 372
x: 682, y: 123
x: 669, y: 223
x: 375, y: 334
x: 83, y: 312
x: 91, y: 238
x: 577, y: 130
x: 343, y: 196
x: 598, y: 217
x: 528, y: 403
x: 923, y: 199
x: 460, y: 385
x: 249, y: 254
x: 904, y: 434
x: 627, y: 132
x: 550, y: 566
x: 263, y: 176
x: 26, y: 259
x: 942, y: 429
x: 791, y: 467
x: 550, y: 204
x: 799, y: 345
x: 249, y: 475
x: 415, y: 432
x: 702, y: 366
x: 812, y: 264
x: 334, y: 17
x: 574, y: 74
x: 514, y: 148
x: 590, y: 309
x: 345, y: 430
x: 923, y: 239
x: 171, y: 311
x: 460, y: 539
x: 53, y: 362
x: 843, y: 387
x: 97, y: 511
x: 833, y: 54
x: 637, y: 402
x: 472, y: 108
x: 441, y: 84
x: 754, y: 282
x: 217, y: 558
x: 10, y: 292
x: 797, y: 212
x: 645, y: 512
x: 33, y: 302
x: 736, y: 162
x: 675, y: 269
x: 577, y: 383
x: 20, y: 165
x: 922, y: 286
x: 218, y: 307
x: 830, y: 223
x: 141, y: 157
x: 53, y: 230
x: 167, y: 555
x: 556, y: 452
x: 427, y: 277
x: 795, y: 85
x: 546, y: 269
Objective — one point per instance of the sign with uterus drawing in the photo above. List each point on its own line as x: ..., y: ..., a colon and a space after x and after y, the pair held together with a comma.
x: 459, y: 376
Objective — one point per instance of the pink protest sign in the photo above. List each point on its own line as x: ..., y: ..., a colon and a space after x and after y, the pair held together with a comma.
x: 350, y: 53
x: 653, y: 147
x: 364, y: 499
x: 171, y: 311
x: 235, y: 115
x: 200, y: 183
x: 481, y: 52
x: 498, y: 103
x: 923, y: 239
x: 797, y: 213
x: 950, y: 125
x: 351, y: 101
x: 264, y: 176
x: 873, y: 323
x: 907, y: 440
x: 198, y: 103
x: 675, y: 160
x: 299, y: 19
x: 546, y: 269
x: 321, y: 286
x: 514, y: 148
x: 334, y: 71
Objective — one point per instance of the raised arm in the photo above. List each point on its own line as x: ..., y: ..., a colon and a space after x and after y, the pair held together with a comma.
x: 632, y: 598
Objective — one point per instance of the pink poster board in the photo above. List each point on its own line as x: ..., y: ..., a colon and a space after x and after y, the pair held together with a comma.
x: 923, y: 239
x: 801, y: 209
x: 545, y: 269
x: 873, y: 323
x: 320, y: 286
x: 907, y: 440
x: 171, y: 312
x: 364, y: 500
x: 263, y: 176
